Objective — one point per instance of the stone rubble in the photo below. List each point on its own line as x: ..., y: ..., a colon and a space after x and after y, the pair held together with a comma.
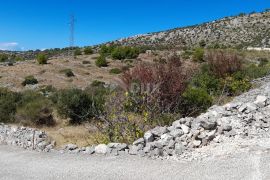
x: 27, y: 138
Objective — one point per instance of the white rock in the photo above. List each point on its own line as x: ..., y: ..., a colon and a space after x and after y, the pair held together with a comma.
x: 101, y: 149
x: 148, y: 137
x: 197, y: 143
x: 261, y: 101
x: 185, y: 128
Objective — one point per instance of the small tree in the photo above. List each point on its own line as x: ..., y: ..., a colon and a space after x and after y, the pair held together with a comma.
x: 42, y: 58
x: 88, y: 51
x: 101, y: 61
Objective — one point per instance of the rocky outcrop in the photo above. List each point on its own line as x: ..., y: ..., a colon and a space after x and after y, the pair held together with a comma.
x: 27, y: 138
x: 250, y: 30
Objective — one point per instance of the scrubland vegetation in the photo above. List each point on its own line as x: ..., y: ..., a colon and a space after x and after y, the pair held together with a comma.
x: 148, y: 94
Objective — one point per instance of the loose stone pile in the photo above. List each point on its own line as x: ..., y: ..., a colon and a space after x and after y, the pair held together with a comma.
x: 27, y: 138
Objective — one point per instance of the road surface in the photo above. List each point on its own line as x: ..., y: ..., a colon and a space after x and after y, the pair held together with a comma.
x: 20, y: 164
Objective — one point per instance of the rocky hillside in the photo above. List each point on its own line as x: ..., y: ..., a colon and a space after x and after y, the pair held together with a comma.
x: 239, y: 31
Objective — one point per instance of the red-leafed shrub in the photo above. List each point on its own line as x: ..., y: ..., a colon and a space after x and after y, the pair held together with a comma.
x: 159, y: 86
x: 223, y: 63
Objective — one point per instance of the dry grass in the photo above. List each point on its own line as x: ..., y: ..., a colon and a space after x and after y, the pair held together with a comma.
x: 48, y: 74
x: 79, y: 135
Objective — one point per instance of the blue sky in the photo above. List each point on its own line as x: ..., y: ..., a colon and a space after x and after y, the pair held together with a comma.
x: 39, y: 24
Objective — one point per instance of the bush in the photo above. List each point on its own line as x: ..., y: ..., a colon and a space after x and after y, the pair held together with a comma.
x: 8, y: 104
x: 30, y: 80
x: 115, y: 71
x: 67, y: 72
x: 223, y: 63
x: 77, y: 52
x: 42, y: 58
x: 106, y: 50
x: 35, y: 110
x: 157, y: 86
x: 122, y: 53
x: 88, y: 51
x: 198, y: 55
x: 235, y: 86
x: 196, y: 100
x: 3, y: 57
x: 75, y: 104
x: 206, y: 81
x: 101, y: 61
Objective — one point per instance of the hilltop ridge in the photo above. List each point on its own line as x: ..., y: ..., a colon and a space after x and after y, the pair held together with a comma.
x: 251, y: 30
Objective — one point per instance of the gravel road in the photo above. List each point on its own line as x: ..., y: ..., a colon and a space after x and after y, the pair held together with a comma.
x: 20, y: 164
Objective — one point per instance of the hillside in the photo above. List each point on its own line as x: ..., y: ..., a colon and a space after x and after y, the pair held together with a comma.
x: 239, y: 31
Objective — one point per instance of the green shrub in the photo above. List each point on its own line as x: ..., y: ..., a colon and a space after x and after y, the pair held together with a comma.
x: 196, y: 100
x: 106, y: 50
x: 198, y: 55
x: 42, y: 58
x: 77, y: 52
x: 88, y: 51
x: 67, y: 72
x: 122, y: 53
x: 8, y: 104
x: 18, y: 59
x: 74, y: 104
x: 235, y: 87
x: 115, y: 71
x: 34, y: 110
x: 207, y: 81
x: 30, y: 80
x: 101, y: 61
x: 3, y: 57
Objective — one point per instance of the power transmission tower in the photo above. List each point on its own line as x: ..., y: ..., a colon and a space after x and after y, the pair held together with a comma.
x: 72, y: 30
